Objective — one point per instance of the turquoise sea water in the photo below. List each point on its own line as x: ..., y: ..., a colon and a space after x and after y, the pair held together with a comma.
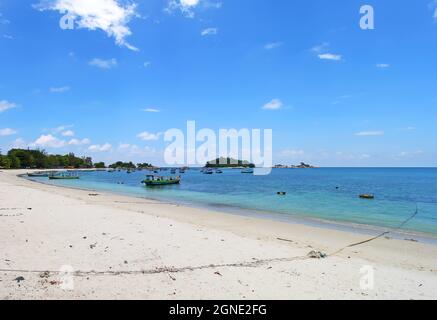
x: 310, y: 193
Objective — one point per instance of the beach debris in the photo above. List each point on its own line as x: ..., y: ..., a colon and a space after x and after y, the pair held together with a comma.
x: 281, y: 193
x: 317, y: 255
x: 93, y: 194
x: 45, y: 274
x: 92, y: 246
x: 286, y: 240
x: 19, y: 279
x: 412, y: 240
x: 218, y: 273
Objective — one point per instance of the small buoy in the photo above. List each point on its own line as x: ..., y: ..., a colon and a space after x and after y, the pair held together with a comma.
x: 281, y: 193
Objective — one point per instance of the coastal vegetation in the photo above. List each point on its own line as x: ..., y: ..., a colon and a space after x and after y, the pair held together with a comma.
x: 229, y: 163
x: 131, y: 165
x: 39, y: 159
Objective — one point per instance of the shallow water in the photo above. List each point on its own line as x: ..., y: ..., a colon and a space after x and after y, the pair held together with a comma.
x: 311, y: 193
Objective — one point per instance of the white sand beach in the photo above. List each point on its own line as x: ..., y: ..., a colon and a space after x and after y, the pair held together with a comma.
x: 132, y: 248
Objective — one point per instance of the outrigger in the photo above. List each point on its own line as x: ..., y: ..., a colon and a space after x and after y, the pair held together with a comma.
x: 154, y: 180
x: 38, y: 174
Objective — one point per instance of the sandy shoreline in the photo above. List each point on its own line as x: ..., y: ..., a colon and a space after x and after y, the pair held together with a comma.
x: 131, y: 248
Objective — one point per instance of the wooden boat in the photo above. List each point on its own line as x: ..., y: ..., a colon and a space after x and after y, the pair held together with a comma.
x: 209, y: 171
x: 63, y: 176
x: 153, y: 181
x: 367, y: 196
x: 247, y: 171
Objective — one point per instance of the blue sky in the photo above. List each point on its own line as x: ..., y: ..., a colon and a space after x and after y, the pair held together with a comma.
x: 334, y: 94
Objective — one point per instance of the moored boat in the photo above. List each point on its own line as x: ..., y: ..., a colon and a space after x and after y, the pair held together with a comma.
x: 249, y: 170
x: 64, y: 176
x: 153, y: 180
x: 208, y: 171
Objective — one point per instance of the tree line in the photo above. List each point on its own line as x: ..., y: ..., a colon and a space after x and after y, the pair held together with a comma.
x: 39, y: 159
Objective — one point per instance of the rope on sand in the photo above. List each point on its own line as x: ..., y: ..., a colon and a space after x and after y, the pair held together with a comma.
x: 380, y: 235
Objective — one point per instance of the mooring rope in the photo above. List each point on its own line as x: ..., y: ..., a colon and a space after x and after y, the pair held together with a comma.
x: 380, y: 235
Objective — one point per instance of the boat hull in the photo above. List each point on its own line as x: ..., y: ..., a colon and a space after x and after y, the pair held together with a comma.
x: 63, y: 178
x: 161, y: 183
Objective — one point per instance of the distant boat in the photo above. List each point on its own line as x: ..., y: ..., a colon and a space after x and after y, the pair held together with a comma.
x: 153, y: 181
x: 367, y: 196
x: 173, y: 171
x: 209, y: 171
x: 247, y: 170
x: 218, y: 171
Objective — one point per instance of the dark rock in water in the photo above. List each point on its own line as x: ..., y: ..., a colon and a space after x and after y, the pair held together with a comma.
x: 317, y: 255
x: 19, y: 279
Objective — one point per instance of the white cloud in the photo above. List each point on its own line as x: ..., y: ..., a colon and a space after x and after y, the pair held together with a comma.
x: 7, y: 132
x: 6, y: 105
x: 76, y: 142
x: 292, y: 153
x: 59, y: 89
x: 48, y: 141
x: 100, y: 148
x: 103, y: 64
x: 68, y: 133
x: 433, y: 7
x: 147, y: 136
x: 185, y: 6
x: 406, y: 154
x: 369, y: 133
x: 320, y: 48
x: 330, y: 56
x: 273, y: 45
x: 209, y: 32
x: 383, y: 65
x: 322, y: 51
x: 110, y: 16
x: 152, y: 110
x: 147, y: 64
x: 275, y: 104
x: 19, y: 144
x: 3, y: 20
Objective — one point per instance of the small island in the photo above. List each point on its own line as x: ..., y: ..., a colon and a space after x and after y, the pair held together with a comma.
x: 228, y: 163
x: 302, y: 165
